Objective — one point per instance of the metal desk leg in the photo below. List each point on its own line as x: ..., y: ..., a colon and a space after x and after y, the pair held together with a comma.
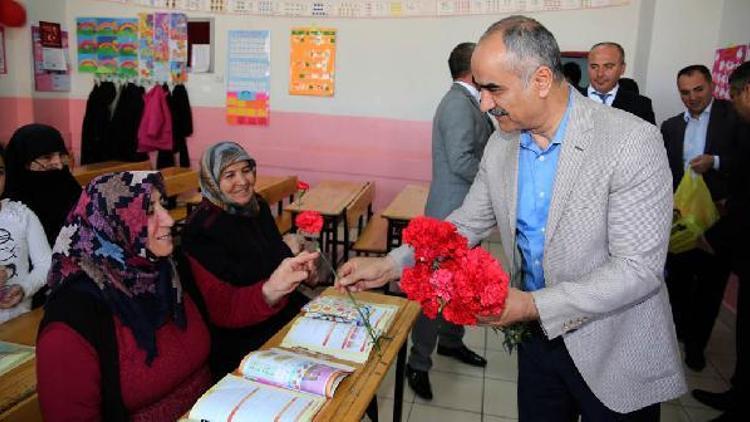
x: 389, y: 236
x: 398, y: 400
x: 334, y: 243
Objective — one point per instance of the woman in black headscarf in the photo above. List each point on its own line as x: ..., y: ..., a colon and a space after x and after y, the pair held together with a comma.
x: 39, y: 177
x: 237, y: 257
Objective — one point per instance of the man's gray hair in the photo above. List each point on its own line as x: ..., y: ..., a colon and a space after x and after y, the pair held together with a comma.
x: 529, y: 44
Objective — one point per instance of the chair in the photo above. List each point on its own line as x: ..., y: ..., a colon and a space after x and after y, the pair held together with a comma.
x: 275, y: 194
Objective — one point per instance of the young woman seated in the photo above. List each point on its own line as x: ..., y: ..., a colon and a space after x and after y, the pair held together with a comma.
x: 237, y: 256
x: 24, y: 254
x: 38, y: 176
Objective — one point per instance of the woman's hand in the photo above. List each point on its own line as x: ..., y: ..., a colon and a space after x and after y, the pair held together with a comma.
x: 13, y: 296
x: 290, y: 273
x: 293, y: 241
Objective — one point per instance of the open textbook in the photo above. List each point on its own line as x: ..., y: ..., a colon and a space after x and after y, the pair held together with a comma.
x: 271, y: 385
x: 13, y: 355
x: 333, y: 326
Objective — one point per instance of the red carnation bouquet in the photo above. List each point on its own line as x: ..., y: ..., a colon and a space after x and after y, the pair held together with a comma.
x: 451, y: 279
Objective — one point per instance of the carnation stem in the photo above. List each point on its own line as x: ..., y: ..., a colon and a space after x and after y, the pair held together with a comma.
x: 365, y: 318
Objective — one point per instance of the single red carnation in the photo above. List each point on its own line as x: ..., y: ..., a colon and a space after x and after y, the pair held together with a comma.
x: 309, y: 222
x: 302, y: 185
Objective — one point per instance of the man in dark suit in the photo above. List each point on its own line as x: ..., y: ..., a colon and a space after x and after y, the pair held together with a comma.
x: 728, y: 239
x: 702, y: 138
x: 606, y: 66
x: 459, y: 134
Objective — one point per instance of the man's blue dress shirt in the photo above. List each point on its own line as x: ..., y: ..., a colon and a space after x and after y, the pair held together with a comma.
x: 536, y: 178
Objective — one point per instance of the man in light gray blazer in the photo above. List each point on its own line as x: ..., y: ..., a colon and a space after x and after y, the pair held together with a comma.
x: 460, y: 131
x: 581, y: 194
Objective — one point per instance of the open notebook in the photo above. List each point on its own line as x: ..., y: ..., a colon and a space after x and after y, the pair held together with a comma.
x: 13, y: 355
x: 271, y: 385
x: 332, y: 326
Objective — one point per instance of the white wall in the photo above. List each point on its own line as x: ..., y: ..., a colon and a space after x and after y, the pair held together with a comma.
x: 688, y: 32
x: 394, y: 68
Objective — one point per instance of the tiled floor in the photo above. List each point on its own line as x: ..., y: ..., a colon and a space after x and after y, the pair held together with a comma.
x: 465, y: 393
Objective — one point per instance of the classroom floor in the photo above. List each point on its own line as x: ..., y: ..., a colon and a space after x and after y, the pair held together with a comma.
x: 465, y: 393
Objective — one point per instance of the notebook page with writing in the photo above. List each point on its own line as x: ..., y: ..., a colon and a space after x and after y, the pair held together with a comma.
x: 239, y: 399
x: 342, y: 340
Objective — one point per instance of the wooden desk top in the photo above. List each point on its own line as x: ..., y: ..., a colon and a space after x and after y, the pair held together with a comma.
x: 87, y: 172
x: 355, y: 392
x: 330, y: 197
x: 409, y: 203
x: 18, y: 387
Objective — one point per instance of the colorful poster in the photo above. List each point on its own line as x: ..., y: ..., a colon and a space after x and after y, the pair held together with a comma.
x: 374, y: 8
x: 53, y: 56
x: 178, y: 44
x: 312, y: 63
x: 3, y: 66
x: 86, y: 36
x: 725, y: 61
x: 49, y: 80
x: 145, y: 45
x: 160, y: 47
x: 249, y: 78
x: 106, y: 47
x: 127, y: 47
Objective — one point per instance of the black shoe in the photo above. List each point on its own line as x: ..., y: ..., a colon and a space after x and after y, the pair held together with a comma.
x: 419, y: 381
x: 464, y: 355
x: 719, y: 401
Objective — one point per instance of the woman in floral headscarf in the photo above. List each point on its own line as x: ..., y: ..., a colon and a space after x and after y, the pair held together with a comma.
x: 237, y: 256
x: 119, y: 340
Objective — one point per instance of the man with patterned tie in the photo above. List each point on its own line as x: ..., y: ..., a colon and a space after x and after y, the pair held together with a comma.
x: 606, y: 66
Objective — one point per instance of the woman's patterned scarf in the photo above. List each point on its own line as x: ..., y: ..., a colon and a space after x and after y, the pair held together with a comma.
x: 105, y: 237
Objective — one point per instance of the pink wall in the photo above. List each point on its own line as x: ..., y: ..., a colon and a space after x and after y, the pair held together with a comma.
x: 313, y: 146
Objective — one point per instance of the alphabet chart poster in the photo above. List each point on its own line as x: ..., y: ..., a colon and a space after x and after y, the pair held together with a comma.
x: 312, y: 65
x: 249, y: 78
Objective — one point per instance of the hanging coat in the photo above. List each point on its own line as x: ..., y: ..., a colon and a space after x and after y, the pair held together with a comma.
x: 96, y: 144
x: 125, y: 122
x: 182, y: 127
x: 155, y: 130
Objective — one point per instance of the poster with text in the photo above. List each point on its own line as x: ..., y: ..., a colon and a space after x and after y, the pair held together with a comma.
x: 725, y: 61
x: 249, y: 78
x: 44, y: 79
x: 312, y: 62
